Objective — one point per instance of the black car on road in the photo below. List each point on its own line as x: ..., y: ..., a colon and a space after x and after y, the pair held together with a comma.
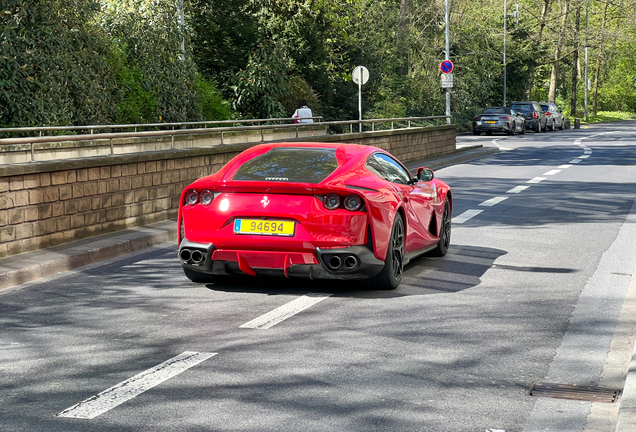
x: 554, y: 116
x: 498, y: 119
x: 534, y: 115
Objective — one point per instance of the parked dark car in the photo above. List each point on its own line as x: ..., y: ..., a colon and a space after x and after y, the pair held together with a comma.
x: 554, y: 116
x: 534, y: 115
x: 498, y: 119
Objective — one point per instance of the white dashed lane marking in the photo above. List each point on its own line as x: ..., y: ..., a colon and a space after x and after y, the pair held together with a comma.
x: 290, y: 309
x: 536, y: 180
x: 585, y: 156
x: 468, y: 214
x: 518, y: 189
x: 575, y: 161
x: 132, y: 387
x: 564, y: 166
x: 492, y: 201
x: 552, y: 172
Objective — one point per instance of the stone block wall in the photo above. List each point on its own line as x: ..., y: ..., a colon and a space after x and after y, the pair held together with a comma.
x: 48, y: 203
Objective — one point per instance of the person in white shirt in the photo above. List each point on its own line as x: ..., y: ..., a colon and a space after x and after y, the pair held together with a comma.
x: 303, y: 114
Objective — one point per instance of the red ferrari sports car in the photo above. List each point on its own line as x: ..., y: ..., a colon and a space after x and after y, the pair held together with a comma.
x: 313, y: 210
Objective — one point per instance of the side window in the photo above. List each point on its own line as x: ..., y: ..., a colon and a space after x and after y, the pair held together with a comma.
x: 394, y: 171
x: 374, y: 166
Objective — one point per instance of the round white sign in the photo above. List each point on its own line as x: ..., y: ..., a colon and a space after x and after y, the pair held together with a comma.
x: 360, y: 75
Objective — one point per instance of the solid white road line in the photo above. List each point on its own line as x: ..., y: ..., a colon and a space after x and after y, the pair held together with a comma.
x: 126, y: 390
x: 518, y: 189
x: 575, y: 161
x: 285, y: 311
x: 564, y: 166
x: 552, y: 172
x: 492, y: 201
x: 468, y: 214
x: 536, y: 180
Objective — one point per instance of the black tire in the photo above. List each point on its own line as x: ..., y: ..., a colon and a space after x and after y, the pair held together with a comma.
x: 391, y: 275
x: 512, y: 130
x: 198, y: 277
x: 476, y: 133
x: 523, y: 130
x: 550, y: 127
x: 562, y: 124
x: 537, y: 128
x: 545, y: 127
x: 444, y: 232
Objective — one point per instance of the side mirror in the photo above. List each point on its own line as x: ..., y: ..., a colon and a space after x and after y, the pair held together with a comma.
x: 425, y: 174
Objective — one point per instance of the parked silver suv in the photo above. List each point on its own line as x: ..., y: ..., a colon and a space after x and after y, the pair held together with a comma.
x: 554, y: 116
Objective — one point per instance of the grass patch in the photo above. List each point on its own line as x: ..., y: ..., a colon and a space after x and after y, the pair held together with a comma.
x: 609, y: 116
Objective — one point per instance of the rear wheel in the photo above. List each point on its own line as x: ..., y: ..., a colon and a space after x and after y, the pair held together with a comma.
x: 445, y: 232
x: 551, y: 127
x: 537, y: 128
x: 391, y: 275
x: 561, y: 125
x: 198, y: 277
x: 523, y: 129
x: 513, y: 129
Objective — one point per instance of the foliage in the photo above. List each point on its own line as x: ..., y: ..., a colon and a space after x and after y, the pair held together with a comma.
x: 259, y: 87
x: 74, y: 62
x: 610, y: 116
x: 210, y: 101
x: 54, y: 66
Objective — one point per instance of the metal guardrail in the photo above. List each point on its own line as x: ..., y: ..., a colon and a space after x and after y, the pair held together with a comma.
x: 171, y: 126
x: 174, y: 132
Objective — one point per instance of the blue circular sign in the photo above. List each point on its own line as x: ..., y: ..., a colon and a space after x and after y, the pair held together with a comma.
x: 446, y: 66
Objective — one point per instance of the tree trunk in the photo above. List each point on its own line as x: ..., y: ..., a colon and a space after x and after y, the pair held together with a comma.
x: 598, y: 60
x: 575, y: 58
x: 544, y: 15
x: 402, y: 32
x: 554, y: 74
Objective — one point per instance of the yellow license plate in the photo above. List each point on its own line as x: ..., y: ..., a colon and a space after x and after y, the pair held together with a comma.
x: 491, y: 121
x: 264, y: 227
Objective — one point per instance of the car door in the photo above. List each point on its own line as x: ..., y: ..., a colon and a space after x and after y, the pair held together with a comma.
x: 417, y: 198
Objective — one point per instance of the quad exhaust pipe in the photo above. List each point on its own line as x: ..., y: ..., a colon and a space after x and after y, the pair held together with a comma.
x: 189, y: 256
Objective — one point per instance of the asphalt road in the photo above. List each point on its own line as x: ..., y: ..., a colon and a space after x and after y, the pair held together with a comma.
x: 533, y: 289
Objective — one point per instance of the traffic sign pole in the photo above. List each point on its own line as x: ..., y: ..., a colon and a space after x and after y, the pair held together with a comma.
x: 448, y: 107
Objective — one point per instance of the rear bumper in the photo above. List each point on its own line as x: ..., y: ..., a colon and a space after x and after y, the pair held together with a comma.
x: 499, y: 127
x: 355, y: 262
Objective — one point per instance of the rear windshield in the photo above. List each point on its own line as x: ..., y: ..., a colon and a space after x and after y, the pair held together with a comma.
x: 523, y: 106
x: 496, y: 111
x: 302, y: 165
x: 545, y: 107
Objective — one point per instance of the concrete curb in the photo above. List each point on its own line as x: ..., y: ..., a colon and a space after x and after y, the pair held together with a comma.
x: 626, y: 421
x: 26, y: 267
x: 29, y: 266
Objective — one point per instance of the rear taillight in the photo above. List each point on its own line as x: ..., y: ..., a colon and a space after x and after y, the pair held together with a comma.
x: 476, y: 118
x: 352, y: 203
x: 192, y: 197
x: 504, y: 118
x: 331, y: 201
x: 548, y: 113
x: 534, y: 114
